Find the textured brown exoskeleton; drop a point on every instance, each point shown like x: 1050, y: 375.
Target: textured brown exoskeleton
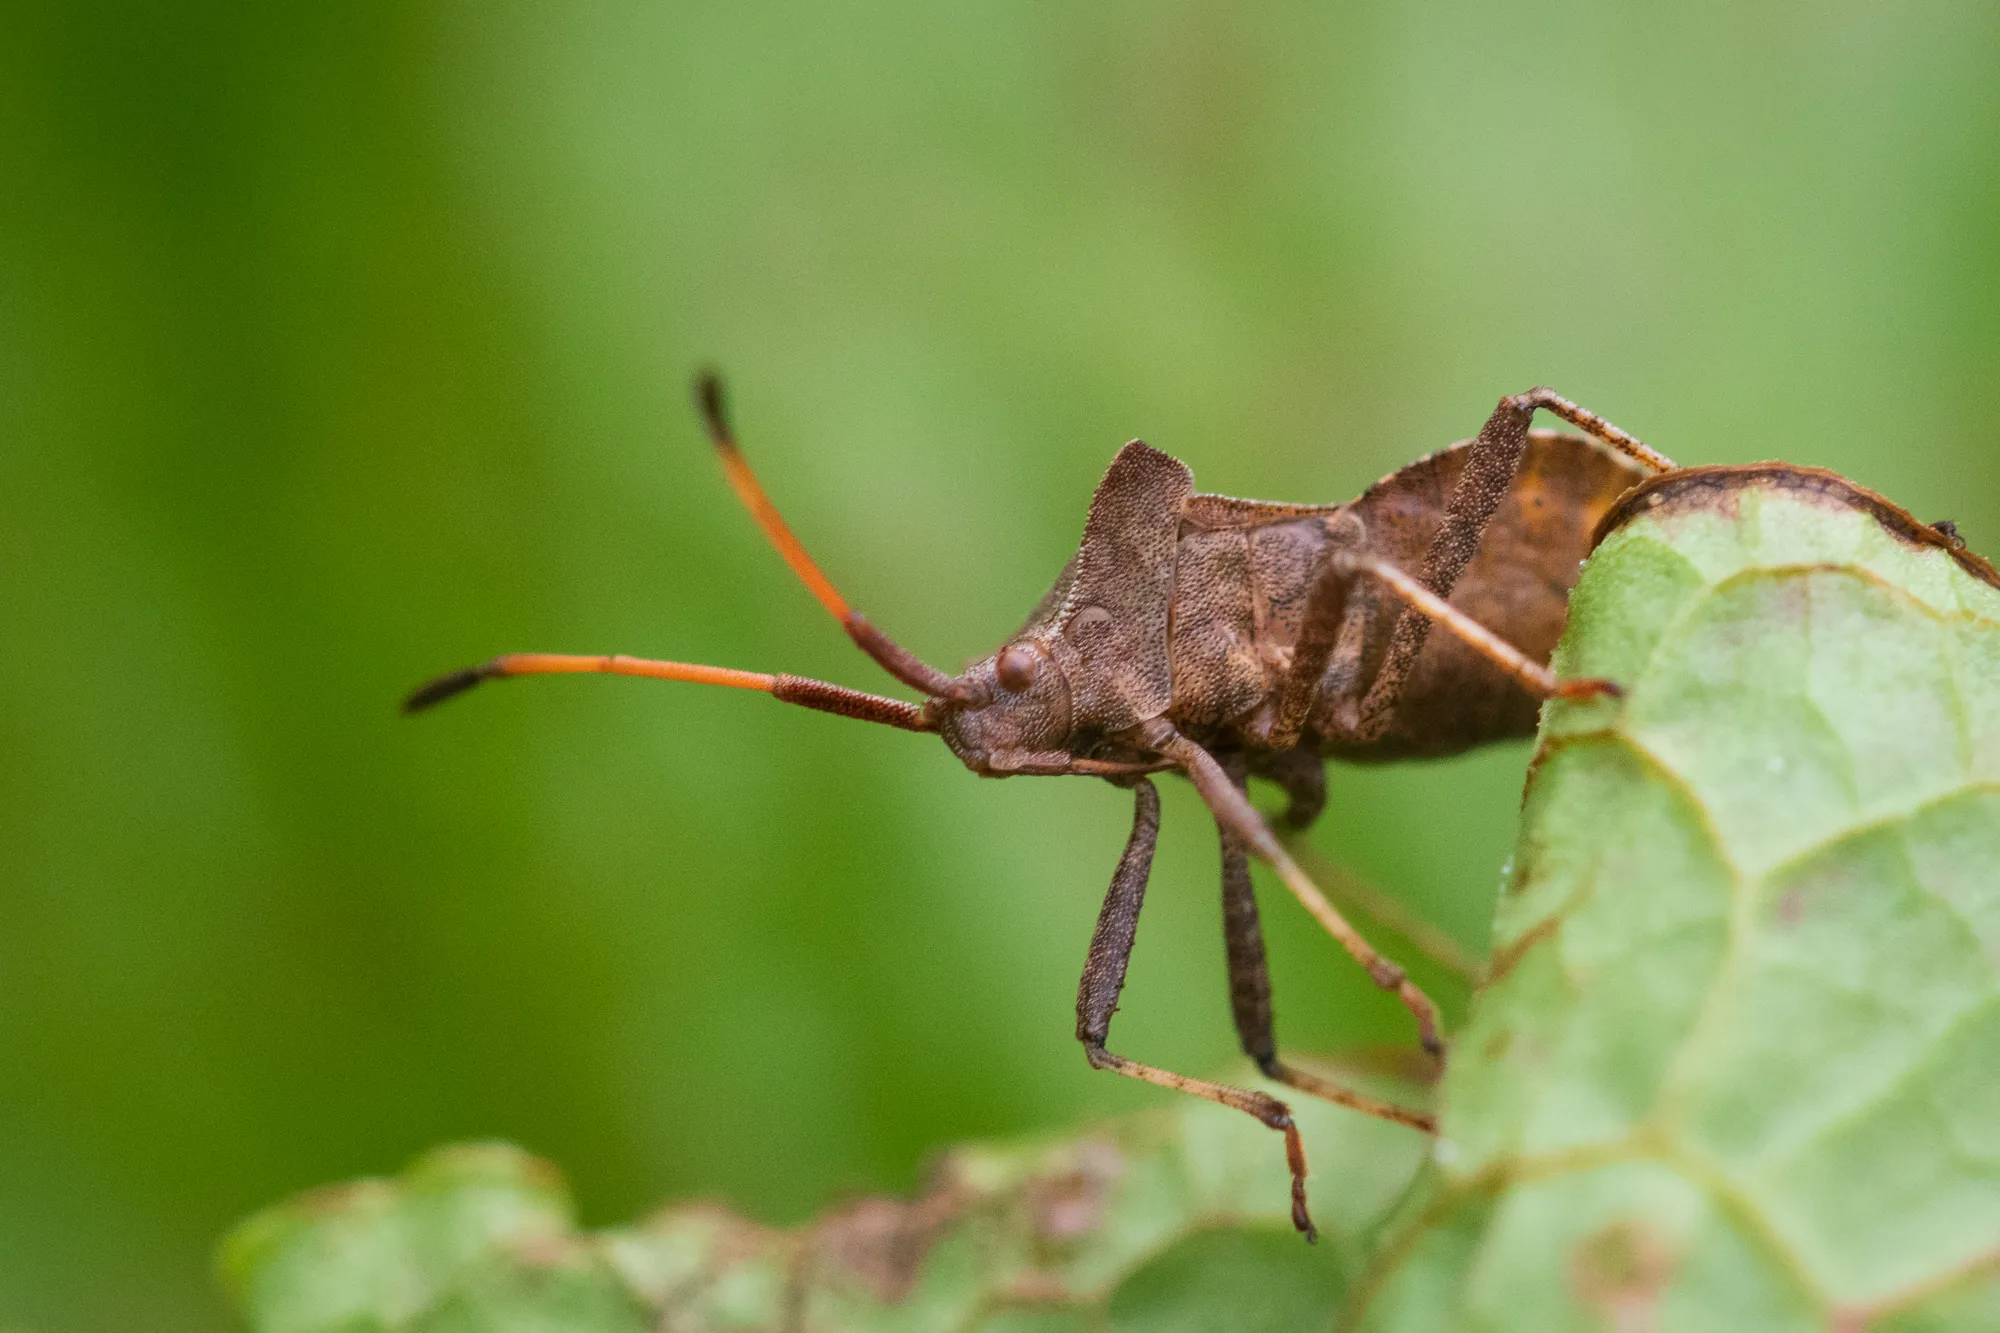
x: 1227, y: 639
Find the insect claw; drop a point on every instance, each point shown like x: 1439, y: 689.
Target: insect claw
x: 1302, y: 1221
x: 1589, y: 687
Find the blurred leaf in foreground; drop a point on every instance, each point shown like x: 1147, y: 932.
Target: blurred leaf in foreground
x: 1178, y: 1220
x: 1737, y: 1063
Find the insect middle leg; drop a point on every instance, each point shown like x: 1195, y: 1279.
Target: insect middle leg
x: 1301, y: 775
x: 1250, y: 988
x: 1104, y: 978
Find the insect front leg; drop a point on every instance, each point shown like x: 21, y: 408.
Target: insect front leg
x: 1250, y: 988
x: 1104, y: 978
x: 1489, y: 470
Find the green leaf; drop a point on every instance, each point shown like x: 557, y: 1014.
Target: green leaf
x: 1737, y: 1064
x: 1178, y: 1220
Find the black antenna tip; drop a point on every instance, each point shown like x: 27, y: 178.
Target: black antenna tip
x: 708, y: 399
x: 434, y: 692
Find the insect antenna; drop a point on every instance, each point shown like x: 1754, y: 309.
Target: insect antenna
x: 897, y: 660
x: 801, y: 690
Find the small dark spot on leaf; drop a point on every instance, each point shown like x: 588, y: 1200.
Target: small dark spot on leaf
x: 1070, y: 1203
x: 882, y: 1243
x: 1620, y: 1269
x: 546, y: 1250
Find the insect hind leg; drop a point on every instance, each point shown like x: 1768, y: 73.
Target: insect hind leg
x: 1593, y: 425
x: 1490, y: 466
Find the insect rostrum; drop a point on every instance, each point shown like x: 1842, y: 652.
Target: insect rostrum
x: 1224, y: 639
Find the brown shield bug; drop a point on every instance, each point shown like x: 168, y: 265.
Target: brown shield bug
x: 1225, y: 639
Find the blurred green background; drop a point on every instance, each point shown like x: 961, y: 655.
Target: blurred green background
x: 342, y: 344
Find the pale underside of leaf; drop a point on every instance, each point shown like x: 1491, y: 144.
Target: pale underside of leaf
x: 1738, y: 1061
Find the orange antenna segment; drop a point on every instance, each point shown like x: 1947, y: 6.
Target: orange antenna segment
x: 801, y: 690
x: 536, y: 664
x: 529, y: 664
x: 708, y: 391
x: 892, y: 656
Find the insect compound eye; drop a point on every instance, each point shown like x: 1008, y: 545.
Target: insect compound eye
x: 1016, y: 667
